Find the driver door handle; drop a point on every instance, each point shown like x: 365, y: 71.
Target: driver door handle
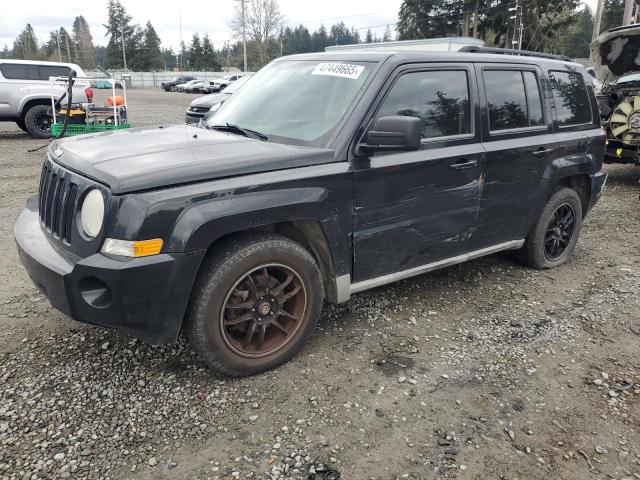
x: 464, y: 165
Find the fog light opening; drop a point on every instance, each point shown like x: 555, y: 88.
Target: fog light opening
x: 95, y: 292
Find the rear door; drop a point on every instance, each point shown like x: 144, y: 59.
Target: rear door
x: 520, y: 143
x: 415, y: 208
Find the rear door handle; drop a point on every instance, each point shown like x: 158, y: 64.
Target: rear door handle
x: 464, y: 165
x: 541, y: 152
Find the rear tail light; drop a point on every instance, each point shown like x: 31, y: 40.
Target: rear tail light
x: 89, y: 92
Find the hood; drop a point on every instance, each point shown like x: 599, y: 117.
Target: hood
x: 145, y: 158
x: 616, y: 52
x: 210, y: 100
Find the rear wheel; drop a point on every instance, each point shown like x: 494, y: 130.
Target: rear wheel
x: 38, y: 121
x: 256, y: 303
x: 555, y: 234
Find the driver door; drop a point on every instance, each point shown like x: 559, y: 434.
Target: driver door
x: 420, y: 207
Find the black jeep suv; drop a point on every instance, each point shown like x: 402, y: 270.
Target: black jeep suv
x: 343, y: 172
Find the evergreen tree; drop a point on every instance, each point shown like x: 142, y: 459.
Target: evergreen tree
x: 119, y: 30
x: 209, y: 57
x: 386, y: 36
x: 319, y: 39
x: 577, y: 39
x: 153, y: 58
x: 195, y: 53
x: 368, y: 37
x: 25, y: 46
x: 5, y: 53
x: 84, y: 43
x: 169, y: 58
x: 612, y: 14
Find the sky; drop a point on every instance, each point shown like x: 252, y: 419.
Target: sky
x: 210, y: 17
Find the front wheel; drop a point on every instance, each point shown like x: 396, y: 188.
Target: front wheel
x: 38, y: 121
x: 554, y: 236
x: 256, y: 302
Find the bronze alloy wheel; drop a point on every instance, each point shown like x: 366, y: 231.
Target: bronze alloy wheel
x: 263, y: 311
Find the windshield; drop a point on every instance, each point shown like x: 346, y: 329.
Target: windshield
x: 236, y: 85
x: 297, y: 102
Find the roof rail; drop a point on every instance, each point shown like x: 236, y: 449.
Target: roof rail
x: 508, y: 51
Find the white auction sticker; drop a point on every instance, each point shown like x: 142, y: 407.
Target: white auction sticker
x: 339, y: 70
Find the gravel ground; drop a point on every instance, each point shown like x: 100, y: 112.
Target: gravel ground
x: 482, y: 371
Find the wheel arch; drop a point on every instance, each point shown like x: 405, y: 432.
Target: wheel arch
x: 31, y: 103
x: 306, y: 218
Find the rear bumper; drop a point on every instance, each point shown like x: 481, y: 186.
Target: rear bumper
x: 598, y: 182
x: 146, y: 297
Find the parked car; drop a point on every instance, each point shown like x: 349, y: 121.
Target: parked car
x: 25, y: 93
x: 170, y: 86
x: 615, y: 53
x: 181, y: 87
x: 341, y: 173
x: 194, y: 86
x: 202, y: 107
x: 224, y: 82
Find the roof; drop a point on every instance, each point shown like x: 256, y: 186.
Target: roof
x: 379, y: 56
x: 38, y: 62
x: 447, y: 44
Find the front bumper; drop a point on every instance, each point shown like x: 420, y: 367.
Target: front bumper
x: 598, y: 182
x: 146, y: 297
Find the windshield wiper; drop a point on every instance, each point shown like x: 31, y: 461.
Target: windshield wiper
x: 230, y: 127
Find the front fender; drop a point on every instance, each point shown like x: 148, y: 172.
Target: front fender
x: 204, y: 222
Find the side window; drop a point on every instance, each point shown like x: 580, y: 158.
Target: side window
x: 572, y: 99
x: 439, y: 98
x: 18, y: 71
x: 513, y: 98
x: 46, y: 71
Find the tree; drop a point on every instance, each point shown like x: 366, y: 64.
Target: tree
x: 195, y: 52
x: 84, y: 55
x: 386, y: 36
x: 263, y: 20
x: 152, y: 55
x: 577, y: 38
x: 169, y: 58
x: 612, y: 14
x: 25, y: 46
x: 5, y: 53
x: 209, y: 57
x: 119, y: 30
x: 368, y: 37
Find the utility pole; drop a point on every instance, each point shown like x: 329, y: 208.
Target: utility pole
x: 228, y: 53
x: 597, y: 21
x: 66, y: 37
x: 518, y: 26
x: 124, y: 55
x: 244, y: 34
x: 58, y: 43
x: 628, y: 17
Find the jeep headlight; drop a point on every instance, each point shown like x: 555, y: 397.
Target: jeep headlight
x: 215, y: 107
x: 92, y: 213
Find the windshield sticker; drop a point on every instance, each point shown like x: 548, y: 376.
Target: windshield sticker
x: 343, y: 70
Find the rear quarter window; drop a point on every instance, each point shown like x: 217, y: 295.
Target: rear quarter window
x: 19, y: 71
x: 46, y: 71
x: 573, y: 105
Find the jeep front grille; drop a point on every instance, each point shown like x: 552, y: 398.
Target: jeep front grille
x: 57, y: 203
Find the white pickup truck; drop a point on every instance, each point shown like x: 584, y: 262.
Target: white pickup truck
x: 25, y: 93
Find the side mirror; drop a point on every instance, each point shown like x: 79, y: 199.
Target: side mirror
x: 395, y: 132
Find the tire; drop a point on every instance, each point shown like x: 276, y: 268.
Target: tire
x: 549, y: 232
x: 172, y: 88
x: 21, y: 125
x: 224, y: 323
x: 37, y: 122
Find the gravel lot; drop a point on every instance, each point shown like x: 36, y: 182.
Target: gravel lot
x: 482, y: 371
